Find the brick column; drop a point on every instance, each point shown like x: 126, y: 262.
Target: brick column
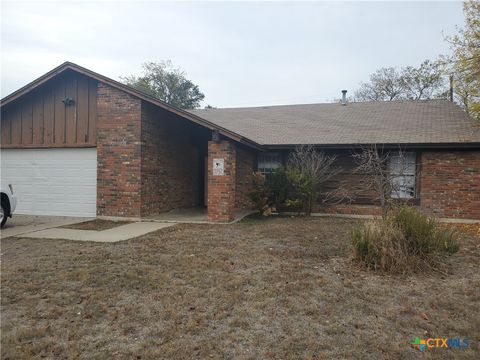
x: 118, y: 153
x: 221, y: 187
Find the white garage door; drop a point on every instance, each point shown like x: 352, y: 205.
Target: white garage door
x: 52, y: 181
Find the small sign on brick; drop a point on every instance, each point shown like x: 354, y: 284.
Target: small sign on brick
x: 218, y: 167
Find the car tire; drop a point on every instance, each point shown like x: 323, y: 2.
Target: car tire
x: 3, y: 215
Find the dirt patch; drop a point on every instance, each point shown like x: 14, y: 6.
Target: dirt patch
x: 96, y: 224
x: 284, y: 288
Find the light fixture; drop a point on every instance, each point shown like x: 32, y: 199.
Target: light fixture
x: 68, y: 101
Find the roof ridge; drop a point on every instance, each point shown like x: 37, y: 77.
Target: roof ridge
x: 324, y: 103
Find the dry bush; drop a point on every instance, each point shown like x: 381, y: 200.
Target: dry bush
x: 423, y: 234
x: 403, y: 241
x: 308, y: 170
x: 372, y: 164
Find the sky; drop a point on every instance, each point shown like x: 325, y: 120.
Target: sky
x: 239, y: 53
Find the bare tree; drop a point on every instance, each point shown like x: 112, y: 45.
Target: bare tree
x: 385, y: 85
x: 309, y: 170
x: 424, y: 82
x: 408, y: 83
x: 373, y: 164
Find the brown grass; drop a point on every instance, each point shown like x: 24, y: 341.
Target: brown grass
x: 279, y: 289
x: 96, y: 224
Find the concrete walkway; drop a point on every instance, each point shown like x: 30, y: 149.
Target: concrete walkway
x: 119, y: 233
x: 24, y: 224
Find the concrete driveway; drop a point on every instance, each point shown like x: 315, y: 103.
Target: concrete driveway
x: 22, y: 224
x: 46, y: 227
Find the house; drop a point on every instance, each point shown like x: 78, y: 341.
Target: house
x: 74, y: 142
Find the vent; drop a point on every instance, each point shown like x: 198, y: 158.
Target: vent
x: 344, y: 97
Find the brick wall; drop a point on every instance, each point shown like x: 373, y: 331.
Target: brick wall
x: 244, y: 185
x: 118, y: 153
x: 450, y: 184
x: 149, y: 160
x: 221, y: 189
x: 170, y: 162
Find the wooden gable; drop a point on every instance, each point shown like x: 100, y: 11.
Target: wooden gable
x: 62, y: 112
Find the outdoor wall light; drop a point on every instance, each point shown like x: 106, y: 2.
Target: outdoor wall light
x: 68, y: 101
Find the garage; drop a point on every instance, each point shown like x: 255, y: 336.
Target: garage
x: 56, y: 181
x: 49, y: 145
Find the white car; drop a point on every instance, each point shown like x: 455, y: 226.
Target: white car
x: 9, y: 202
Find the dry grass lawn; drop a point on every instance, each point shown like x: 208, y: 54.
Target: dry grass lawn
x: 96, y: 224
x: 284, y: 288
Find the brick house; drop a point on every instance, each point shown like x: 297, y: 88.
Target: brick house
x: 74, y: 142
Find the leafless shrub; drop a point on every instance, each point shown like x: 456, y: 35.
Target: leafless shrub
x: 309, y: 170
x: 373, y: 164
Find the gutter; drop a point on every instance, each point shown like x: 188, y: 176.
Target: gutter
x: 439, y: 146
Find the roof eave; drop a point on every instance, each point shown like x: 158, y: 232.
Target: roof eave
x: 431, y: 146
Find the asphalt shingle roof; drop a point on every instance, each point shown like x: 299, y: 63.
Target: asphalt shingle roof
x: 397, y: 122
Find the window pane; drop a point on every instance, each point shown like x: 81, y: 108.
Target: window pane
x: 403, y: 187
x: 403, y: 171
x: 269, y: 162
x: 403, y: 165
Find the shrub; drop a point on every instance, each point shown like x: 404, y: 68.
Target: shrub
x: 404, y: 240
x: 261, y: 193
x: 269, y: 191
x: 299, y: 185
x: 379, y: 246
x: 422, y: 233
x: 308, y: 170
x: 279, y: 186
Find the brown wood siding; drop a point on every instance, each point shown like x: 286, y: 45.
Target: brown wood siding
x: 59, y: 111
x: 49, y: 116
x: 16, y: 124
x: 27, y: 121
x: 6, y: 134
x: 37, y: 109
x: 71, y: 112
x: 91, y: 134
x: 41, y: 119
x: 82, y: 111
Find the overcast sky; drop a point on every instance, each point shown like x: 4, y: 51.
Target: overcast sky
x: 240, y: 54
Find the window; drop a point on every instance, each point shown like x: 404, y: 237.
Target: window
x: 269, y: 162
x: 402, y: 171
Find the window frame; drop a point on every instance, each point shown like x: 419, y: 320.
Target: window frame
x: 413, y: 173
x: 270, y: 170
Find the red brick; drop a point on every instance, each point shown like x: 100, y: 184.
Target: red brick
x: 449, y: 184
x: 221, y: 189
